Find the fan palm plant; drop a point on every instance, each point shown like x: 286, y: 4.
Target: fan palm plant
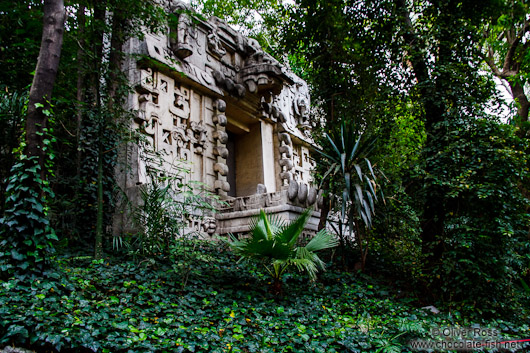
x: 275, y: 243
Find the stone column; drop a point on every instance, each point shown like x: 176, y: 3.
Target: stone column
x: 267, y: 146
x: 221, y: 185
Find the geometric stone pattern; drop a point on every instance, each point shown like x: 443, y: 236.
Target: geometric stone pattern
x: 207, y: 95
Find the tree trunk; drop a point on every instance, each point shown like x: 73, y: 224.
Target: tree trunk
x: 115, y: 57
x: 433, y: 220
x: 98, y: 23
x: 522, y: 101
x: 98, y: 33
x: 80, y: 87
x: 324, y: 210
x: 113, y: 101
x: 44, y: 79
x: 98, y: 244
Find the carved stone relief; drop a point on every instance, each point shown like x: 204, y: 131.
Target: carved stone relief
x: 214, y: 44
x: 198, y: 135
x: 184, y: 36
x: 209, y: 225
x: 164, y: 118
x: 286, y: 162
x: 261, y: 71
x: 221, y: 184
x: 182, y: 105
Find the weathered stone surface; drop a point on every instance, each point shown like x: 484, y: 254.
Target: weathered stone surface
x: 221, y: 136
x: 285, y: 138
x: 220, y: 120
x: 286, y: 162
x: 211, y: 98
x: 220, y: 151
x: 312, y: 196
x: 220, y: 104
x: 209, y: 225
x: 261, y: 189
x: 320, y: 199
x: 292, y: 192
x: 286, y: 175
x: 222, y: 185
x: 219, y: 77
x: 287, y: 150
x: 302, y: 192
x: 221, y: 168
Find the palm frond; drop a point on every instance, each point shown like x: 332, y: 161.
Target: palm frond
x: 347, y: 181
x: 370, y: 186
x: 369, y: 164
x: 328, y: 172
x: 276, y: 222
x: 273, y: 241
x: 322, y: 240
x: 370, y: 200
x: 307, y: 261
x: 261, y: 231
x: 290, y: 233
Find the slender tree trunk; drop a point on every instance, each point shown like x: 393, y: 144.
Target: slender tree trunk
x: 359, y: 239
x: 80, y: 87
x: 44, y: 79
x: 98, y: 246
x: 115, y: 57
x: 113, y: 82
x: 326, y: 202
x: 324, y: 210
x: 98, y: 24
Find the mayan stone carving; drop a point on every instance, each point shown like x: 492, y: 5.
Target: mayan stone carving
x: 212, y: 99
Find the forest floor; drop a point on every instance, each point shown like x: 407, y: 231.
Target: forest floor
x: 207, y: 301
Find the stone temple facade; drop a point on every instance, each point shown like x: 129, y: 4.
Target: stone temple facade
x: 207, y: 95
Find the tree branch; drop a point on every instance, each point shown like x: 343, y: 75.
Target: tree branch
x: 509, y: 59
x: 489, y: 58
x: 418, y: 62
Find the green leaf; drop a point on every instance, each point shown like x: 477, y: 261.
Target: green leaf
x: 16, y: 255
x: 359, y: 171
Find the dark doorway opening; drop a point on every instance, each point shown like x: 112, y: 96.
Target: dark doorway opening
x: 231, y: 163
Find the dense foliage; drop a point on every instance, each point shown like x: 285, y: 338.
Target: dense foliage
x: 113, y: 305
x: 402, y: 103
x: 378, y: 65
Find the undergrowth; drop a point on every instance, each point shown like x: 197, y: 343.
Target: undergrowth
x: 117, y: 305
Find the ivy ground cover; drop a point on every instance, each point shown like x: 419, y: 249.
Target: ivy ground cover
x: 120, y: 305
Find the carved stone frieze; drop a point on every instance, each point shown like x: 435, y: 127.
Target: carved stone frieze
x: 220, y: 137
x: 209, y: 225
x: 181, y: 105
x: 215, y: 45
x: 198, y: 135
x: 229, y: 85
x: 285, y: 161
x: 207, y: 95
x: 220, y: 151
x: 184, y: 35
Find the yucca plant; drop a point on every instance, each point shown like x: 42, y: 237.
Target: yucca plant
x: 275, y: 243
x: 346, y: 158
